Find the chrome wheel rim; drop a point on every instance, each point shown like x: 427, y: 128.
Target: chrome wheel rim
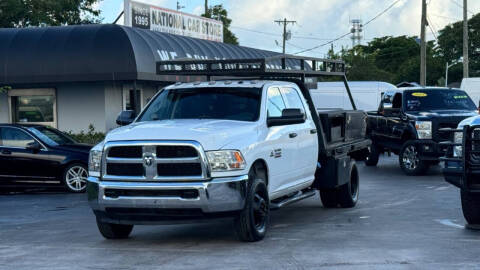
x: 76, y: 178
x: 410, y: 157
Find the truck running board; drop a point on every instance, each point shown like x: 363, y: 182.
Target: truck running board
x: 291, y: 199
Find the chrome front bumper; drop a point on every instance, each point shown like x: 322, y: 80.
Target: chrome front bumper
x: 224, y: 194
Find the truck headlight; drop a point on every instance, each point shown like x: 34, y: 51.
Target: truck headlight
x: 225, y: 160
x: 424, y: 129
x: 95, y: 162
x: 457, y: 150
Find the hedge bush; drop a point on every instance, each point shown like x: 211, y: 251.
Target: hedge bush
x: 90, y: 137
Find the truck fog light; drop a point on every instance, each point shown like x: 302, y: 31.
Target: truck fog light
x: 225, y: 160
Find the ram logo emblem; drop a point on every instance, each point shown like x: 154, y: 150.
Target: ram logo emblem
x: 148, y: 160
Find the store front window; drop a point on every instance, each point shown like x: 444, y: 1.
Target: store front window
x: 30, y: 106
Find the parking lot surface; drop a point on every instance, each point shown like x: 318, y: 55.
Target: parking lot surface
x: 401, y: 222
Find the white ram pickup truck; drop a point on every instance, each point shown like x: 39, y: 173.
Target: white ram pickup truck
x: 222, y: 149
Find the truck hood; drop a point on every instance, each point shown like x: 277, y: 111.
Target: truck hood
x: 472, y: 121
x: 211, y: 134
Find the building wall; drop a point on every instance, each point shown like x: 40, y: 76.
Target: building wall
x: 79, y: 105
x: 113, y: 104
x: 4, y: 116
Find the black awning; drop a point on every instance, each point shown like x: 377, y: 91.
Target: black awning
x: 100, y: 53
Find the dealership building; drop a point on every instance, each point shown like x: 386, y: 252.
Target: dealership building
x: 72, y: 76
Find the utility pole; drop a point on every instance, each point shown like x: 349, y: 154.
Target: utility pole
x: 465, y: 40
x: 423, y: 46
x: 179, y: 7
x: 206, y: 9
x: 285, y: 35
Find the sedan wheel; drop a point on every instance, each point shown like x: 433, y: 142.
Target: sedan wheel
x: 76, y: 178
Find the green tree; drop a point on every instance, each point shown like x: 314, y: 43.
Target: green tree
x: 450, y: 47
x: 24, y: 13
x: 219, y: 13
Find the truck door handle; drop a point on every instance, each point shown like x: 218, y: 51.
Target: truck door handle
x: 6, y: 152
x: 313, y: 131
x: 292, y: 135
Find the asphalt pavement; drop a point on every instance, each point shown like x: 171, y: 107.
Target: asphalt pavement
x: 400, y: 222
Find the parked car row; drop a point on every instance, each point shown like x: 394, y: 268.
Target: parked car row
x: 241, y: 148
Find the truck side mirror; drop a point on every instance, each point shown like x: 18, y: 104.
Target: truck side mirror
x: 126, y: 118
x: 289, y: 117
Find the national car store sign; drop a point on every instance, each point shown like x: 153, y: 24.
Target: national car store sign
x: 160, y: 19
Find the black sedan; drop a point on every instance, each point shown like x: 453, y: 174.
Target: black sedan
x: 34, y: 155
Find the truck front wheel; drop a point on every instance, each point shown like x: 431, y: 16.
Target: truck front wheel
x: 252, y: 222
x: 471, y: 207
x: 409, y: 159
x: 114, y: 231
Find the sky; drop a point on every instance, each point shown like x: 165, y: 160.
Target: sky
x: 317, y: 21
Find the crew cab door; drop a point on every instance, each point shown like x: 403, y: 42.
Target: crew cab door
x: 395, y: 124
x: 281, y: 145
x: 306, y: 153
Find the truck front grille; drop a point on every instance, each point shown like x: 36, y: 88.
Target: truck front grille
x: 445, y: 135
x: 154, y: 161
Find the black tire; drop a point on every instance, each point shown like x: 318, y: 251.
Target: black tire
x: 409, y: 160
x: 329, y: 198
x: 114, y: 231
x: 471, y: 207
x: 373, y: 156
x: 345, y: 196
x: 67, y: 180
x: 348, y: 194
x: 251, y: 224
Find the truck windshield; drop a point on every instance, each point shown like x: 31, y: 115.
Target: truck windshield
x: 227, y: 103
x: 436, y: 99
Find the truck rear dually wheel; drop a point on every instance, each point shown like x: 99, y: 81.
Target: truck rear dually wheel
x: 409, y: 159
x: 251, y: 224
x: 345, y: 196
x: 471, y: 207
x: 114, y: 231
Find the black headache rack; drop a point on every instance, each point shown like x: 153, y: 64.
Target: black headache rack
x: 463, y: 171
x: 282, y: 67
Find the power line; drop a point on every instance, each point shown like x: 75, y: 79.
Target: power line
x: 346, y: 34
x: 431, y: 26
x: 256, y: 31
x: 460, y: 6
x: 445, y: 17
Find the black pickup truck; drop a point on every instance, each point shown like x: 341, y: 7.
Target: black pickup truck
x: 409, y: 123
